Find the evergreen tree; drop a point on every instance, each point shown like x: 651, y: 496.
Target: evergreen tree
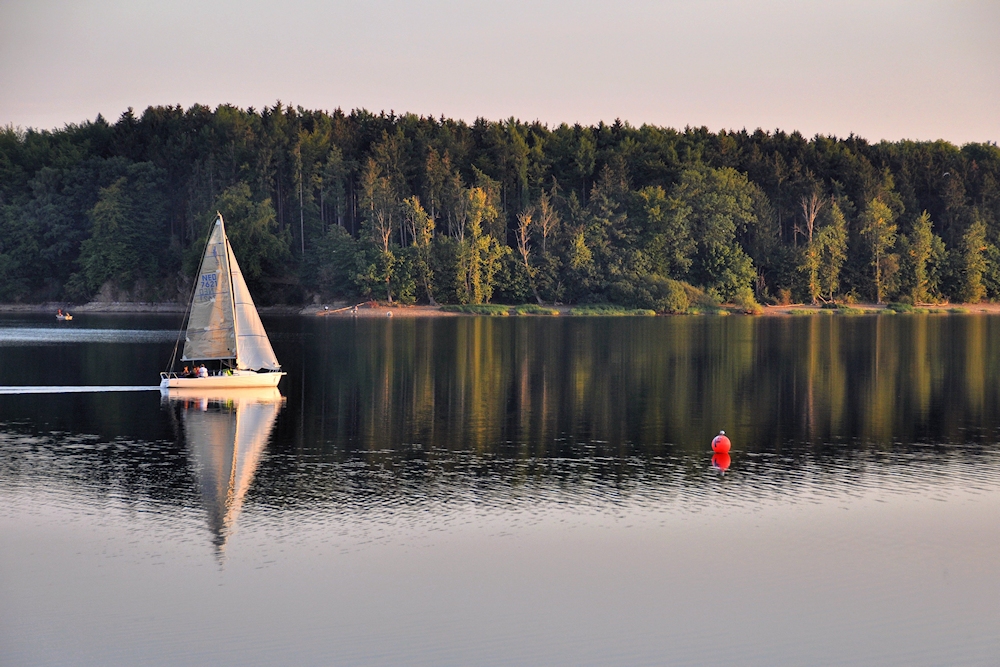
x: 616, y: 211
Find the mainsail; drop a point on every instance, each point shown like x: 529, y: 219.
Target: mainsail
x: 224, y: 323
x: 211, y: 333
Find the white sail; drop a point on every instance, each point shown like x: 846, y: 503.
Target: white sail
x: 211, y: 332
x: 253, y: 349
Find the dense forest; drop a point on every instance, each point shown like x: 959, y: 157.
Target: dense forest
x: 411, y: 209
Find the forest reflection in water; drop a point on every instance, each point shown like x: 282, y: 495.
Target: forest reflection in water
x: 512, y: 491
x: 611, y: 394
x: 508, y: 386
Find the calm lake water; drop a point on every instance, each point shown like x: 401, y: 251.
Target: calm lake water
x: 477, y: 491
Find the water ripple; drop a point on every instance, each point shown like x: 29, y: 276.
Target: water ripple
x: 86, y: 469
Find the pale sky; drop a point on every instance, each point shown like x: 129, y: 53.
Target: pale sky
x: 880, y: 69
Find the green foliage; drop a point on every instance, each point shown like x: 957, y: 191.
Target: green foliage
x: 478, y: 309
x: 973, y: 263
x: 107, y: 254
x: 669, y: 245
x: 991, y: 274
x: 708, y: 310
x: 879, y: 228
x: 410, y: 208
x: 810, y: 266
x: 373, y: 271
x: 379, y: 201
x: 651, y: 292
x: 421, y: 228
x: 512, y: 284
x: 824, y: 255
x: 746, y: 302
x: 404, y: 280
x: 126, y: 235
x: 700, y: 298
x: 719, y: 202
x: 534, y: 309
x: 609, y: 310
x: 922, y: 250
x: 333, y: 263
x: 479, y: 255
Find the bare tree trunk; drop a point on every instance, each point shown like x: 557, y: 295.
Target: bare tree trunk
x: 547, y: 219
x: 811, y: 206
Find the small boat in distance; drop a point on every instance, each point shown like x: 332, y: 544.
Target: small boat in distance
x: 223, y: 328
x: 63, y: 317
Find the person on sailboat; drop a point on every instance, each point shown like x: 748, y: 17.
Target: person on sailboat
x: 202, y: 371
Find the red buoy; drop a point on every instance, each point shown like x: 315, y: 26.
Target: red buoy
x: 721, y: 444
x: 721, y: 462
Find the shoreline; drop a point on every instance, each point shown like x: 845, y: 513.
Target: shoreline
x: 371, y: 309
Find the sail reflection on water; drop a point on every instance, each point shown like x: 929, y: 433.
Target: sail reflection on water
x: 226, y: 434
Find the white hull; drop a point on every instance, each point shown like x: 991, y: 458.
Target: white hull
x: 237, y: 380
x: 228, y: 395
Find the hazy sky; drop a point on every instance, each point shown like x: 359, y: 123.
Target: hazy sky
x: 883, y: 70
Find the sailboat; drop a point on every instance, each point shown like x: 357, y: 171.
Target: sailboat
x: 226, y: 432
x: 223, y: 327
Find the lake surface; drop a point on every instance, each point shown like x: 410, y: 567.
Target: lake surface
x: 493, y: 491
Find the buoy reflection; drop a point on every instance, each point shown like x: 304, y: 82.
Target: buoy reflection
x: 721, y: 462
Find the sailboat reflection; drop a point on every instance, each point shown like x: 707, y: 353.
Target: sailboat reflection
x: 226, y: 433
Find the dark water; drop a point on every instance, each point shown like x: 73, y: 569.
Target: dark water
x: 508, y: 491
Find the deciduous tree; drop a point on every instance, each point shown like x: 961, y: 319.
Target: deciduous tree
x: 879, y: 228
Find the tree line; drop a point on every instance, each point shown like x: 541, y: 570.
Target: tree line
x: 408, y: 209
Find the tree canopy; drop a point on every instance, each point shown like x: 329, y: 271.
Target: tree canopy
x: 410, y: 208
